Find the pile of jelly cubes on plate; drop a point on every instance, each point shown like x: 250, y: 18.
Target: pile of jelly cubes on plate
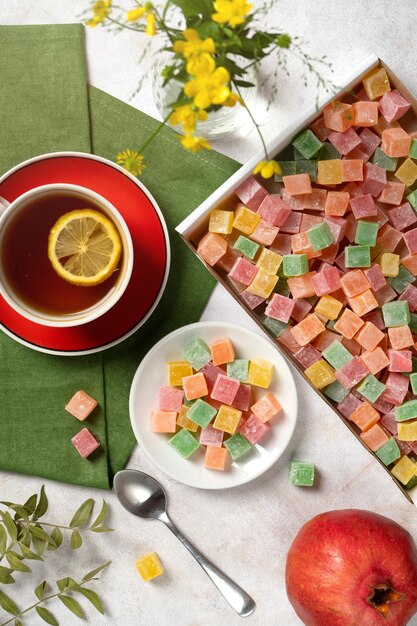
x: 326, y: 257
x: 210, y: 402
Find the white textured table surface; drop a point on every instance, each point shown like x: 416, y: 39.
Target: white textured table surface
x: 248, y: 530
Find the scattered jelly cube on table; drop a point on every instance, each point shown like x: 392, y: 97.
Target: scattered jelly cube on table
x: 81, y: 405
x: 215, y: 458
x: 149, y: 566
x: 237, y: 446
x: 301, y: 474
x: 197, y: 353
x: 184, y: 443
x: 201, y: 413
x: 85, y: 443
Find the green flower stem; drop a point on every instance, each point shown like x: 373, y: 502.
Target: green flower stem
x: 258, y: 129
x: 14, y: 543
x: 136, y: 30
x: 154, y: 134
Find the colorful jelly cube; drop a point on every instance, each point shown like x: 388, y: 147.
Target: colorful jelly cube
x: 371, y: 388
x: 406, y: 411
x: 364, y: 206
x: 400, y: 360
x: 330, y: 172
x: 369, y: 336
x: 197, y: 353
x: 396, y: 313
x: 254, y: 429
x: 170, y: 399
x: 329, y: 307
x: 184, y: 443
x: 211, y: 248
x: 243, y: 271
x: 392, y: 193
x: 396, y: 388
x: 301, y: 474
x: 349, y: 405
x: 225, y: 389
x: 320, y: 236
x: 243, y: 398
x: 389, y: 452
x: 407, y: 172
x: 85, y: 443
x: 336, y: 392
x: 337, y: 203
x: 227, y: 419
x: 404, y: 470
x: 352, y: 170
x: 400, y: 337
x: 348, y: 324
x: 177, y: 370
x: 307, y: 355
x: 222, y: 351
x: 326, y: 281
x: 297, y: 184
x: 149, y: 566
x: 320, y: 374
x: 221, y: 222
x: 295, y: 264
x: 215, y: 458
x: 338, y: 116
x: 393, y: 105
x: 389, y: 263
x: 375, y: 277
x: 269, y: 261
x: 237, y: 446
x: 210, y: 436
x: 337, y: 355
x: 307, y: 144
x: 275, y: 327
x: 365, y: 416
x: 366, y: 232
x: 274, y: 210
x: 81, y: 405
x: 266, y: 407
x: 260, y: 373
x: 352, y: 373
x: 195, y: 386
x: 374, y: 179
x: 358, y: 256
x: 407, y: 431
x: 238, y: 370
x: 302, y: 286
x: 245, y: 220
x: 376, y: 83
x: 247, y: 247
x: 280, y: 307
x: 264, y: 233
x: 163, y: 421
x: 374, y: 438
x: 383, y: 160
x: 184, y: 422
x: 365, y: 113
x: 201, y: 413
x: 263, y: 284
x: 307, y: 330
x: 413, y: 382
x: 413, y: 148
x: 251, y: 193
x: 396, y: 142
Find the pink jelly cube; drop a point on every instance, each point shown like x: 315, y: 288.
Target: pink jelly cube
x: 392, y: 193
x: 395, y: 142
x: 243, y: 271
x: 282, y: 244
x: 396, y: 388
x: 297, y: 184
x: 400, y: 337
x: 288, y: 341
x: 400, y: 360
x: 337, y: 202
x: 383, y: 407
x: 300, y: 310
x: 308, y: 220
x: 81, y: 405
x: 295, y: 202
x: 210, y: 436
x: 316, y: 200
x: 307, y: 355
x: 385, y: 294
x: 338, y: 116
x: 251, y: 193
x: 254, y: 430
x: 393, y: 106
x: 274, y: 210
x: 349, y: 405
x: 225, y: 389
x: 330, y: 253
x: 376, y: 318
x: 243, y: 397
x: 410, y: 262
x: 375, y: 277
x: 264, y: 233
x: 337, y: 227
x: 210, y: 373
x: 320, y: 129
x: 292, y: 224
x: 369, y: 141
x: 280, y: 307
x: 410, y: 239
x: 403, y: 216
x: 326, y: 281
x: 365, y: 113
x: 170, y: 399
x: 363, y: 206
x: 352, y: 169
x: 389, y: 422
x: 388, y: 238
x: 211, y: 248
x: 163, y: 421
x: 266, y: 407
x: 251, y: 300
x: 352, y: 373
x: 228, y: 260
x: 374, y: 179
x: 410, y: 294
x: 85, y: 443
x: 345, y: 142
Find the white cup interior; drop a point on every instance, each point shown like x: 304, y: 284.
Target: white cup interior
x: 115, y: 292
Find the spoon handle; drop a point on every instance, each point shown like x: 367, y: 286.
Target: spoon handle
x: 238, y: 599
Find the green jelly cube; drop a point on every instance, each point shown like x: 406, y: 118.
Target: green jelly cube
x: 295, y: 264
x: 337, y: 355
x: 407, y: 411
x: 197, y: 353
x: 413, y: 323
x: 413, y: 149
x: 201, y: 413
x: 237, y: 446
x: 307, y: 167
x: 366, y: 232
x: 412, y: 482
x: 328, y: 152
x: 400, y: 282
x: 413, y: 381
x: 320, y: 236
x: 275, y: 327
x: 336, y: 392
x: 307, y: 143
x: 396, y: 313
x: 247, y: 247
x: 301, y: 474
x: 297, y: 155
x: 184, y: 443
x: 238, y: 369
x: 371, y: 388
x: 389, y: 452
x: 288, y: 168
x: 383, y: 160
x: 358, y: 256
x: 412, y: 199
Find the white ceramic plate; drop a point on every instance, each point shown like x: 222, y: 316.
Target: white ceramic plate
x: 151, y: 374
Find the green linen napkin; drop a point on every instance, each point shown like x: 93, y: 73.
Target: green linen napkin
x: 45, y: 106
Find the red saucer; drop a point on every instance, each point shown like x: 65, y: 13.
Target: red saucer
x: 150, y: 242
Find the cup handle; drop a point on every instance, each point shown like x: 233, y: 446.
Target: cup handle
x: 3, y: 205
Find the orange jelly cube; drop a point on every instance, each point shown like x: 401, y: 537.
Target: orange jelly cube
x: 222, y: 351
x: 374, y: 438
x: 297, y: 184
x: 365, y: 416
x: 400, y: 337
x: 215, y: 458
x: 348, y: 324
x: 306, y: 330
x: 375, y: 360
x: 195, y: 386
x: 410, y: 262
x: 300, y: 244
x: 338, y: 116
x: 354, y: 283
x: 163, y: 421
x: 330, y: 172
x: 369, y: 336
x: 364, y: 303
x: 337, y: 203
x: 352, y: 170
x: 396, y: 142
x: 365, y: 113
x: 212, y: 248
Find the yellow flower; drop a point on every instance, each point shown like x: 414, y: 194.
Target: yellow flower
x: 192, y: 45
x: 136, y: 14
x: 201, y: 64
x: 209, y: 88
x: 101, y: 9
x: 232, y: 99
x: 150, y: 25
x: 194, y: 144
x: 232, y: 12
x: 267, y: 169
x: 132, y: 161
x: 187, y: 117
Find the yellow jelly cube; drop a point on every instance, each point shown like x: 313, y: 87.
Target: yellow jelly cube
x: 246, y: 220
x: 221, y: 222
x: 227, y: 419
x: 407, y: 172
x: 404, y: 470
x: 269, y: 261
x: 329, y: 307
x: 260, y: 373
x: 329, y: 172
x: 149, y: 566
x: 184, y: 422
x: 389, y: 263
x: 407, y: 431
x: 263, y: 284
x: 320, y: 374
x: 176, y: 372
x: 376, y: 83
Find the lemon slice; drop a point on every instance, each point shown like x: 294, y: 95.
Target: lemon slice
x: 84, y: 247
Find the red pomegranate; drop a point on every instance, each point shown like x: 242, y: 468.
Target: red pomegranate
x: 352, y: 568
